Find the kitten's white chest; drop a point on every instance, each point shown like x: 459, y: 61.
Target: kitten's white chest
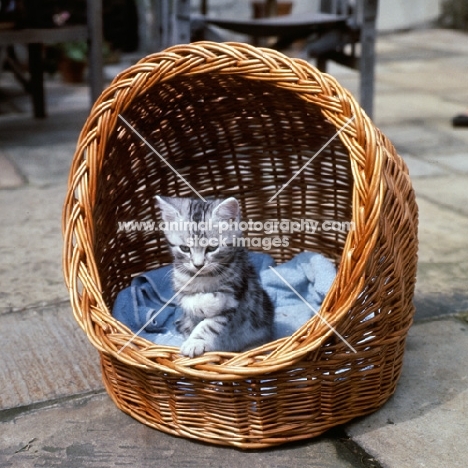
x: 206, y: 305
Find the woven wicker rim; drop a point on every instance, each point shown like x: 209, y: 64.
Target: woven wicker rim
x: 366, y: 151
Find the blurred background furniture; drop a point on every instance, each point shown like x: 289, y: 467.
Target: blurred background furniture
x: 34, y: 35
x: 342, y: 31
x: 169, y: 24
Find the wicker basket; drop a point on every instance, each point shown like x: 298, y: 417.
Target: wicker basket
x: 237, y: 120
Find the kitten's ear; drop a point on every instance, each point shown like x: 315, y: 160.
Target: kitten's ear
x: 169, y: 212
x: 227, y: 209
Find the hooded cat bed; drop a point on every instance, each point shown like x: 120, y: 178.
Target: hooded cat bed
x: 291, y: 144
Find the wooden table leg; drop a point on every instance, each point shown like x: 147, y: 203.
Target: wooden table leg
x: 96, y: 76
x: 36, y: 83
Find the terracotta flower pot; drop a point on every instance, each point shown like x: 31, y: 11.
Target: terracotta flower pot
x: 72, y: 71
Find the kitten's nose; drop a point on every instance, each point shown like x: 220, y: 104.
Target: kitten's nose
x: 198, y: 259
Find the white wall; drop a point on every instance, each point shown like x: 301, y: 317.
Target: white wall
x: 404, y: 14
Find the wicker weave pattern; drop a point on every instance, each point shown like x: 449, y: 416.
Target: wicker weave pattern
x: 234, y: 119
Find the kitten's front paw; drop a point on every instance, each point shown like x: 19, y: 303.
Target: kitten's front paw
x: 193, y: 347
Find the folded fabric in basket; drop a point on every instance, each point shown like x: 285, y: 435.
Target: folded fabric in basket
x: 149, y: 305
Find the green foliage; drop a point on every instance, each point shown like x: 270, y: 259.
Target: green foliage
x: 76, y: 50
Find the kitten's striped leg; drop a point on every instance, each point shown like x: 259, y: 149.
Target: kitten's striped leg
x: 207, y: 336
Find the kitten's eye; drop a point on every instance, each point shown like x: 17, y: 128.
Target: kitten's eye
x: 184, y: 248
x: 212, y: 248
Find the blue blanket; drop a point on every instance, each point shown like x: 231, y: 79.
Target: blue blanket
x: 148, y: 306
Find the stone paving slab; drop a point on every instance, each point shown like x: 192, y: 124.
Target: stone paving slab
x: 419, y: 167
x: 442, y: 232
x: 9, y: 175
x: 61, y: 98
x: 396, y: 106
x: 459, y: 97
x: 419, y: 138
x: 31, y: 246
x: 63, y: 125
x: 425, y: 423
x: 92, y: 432
x: 43, y: 165
x: 45, y: 356
x: 457, y: 162
x: 431, y: 38
x: 42, y: 150
x: 436, y: 76
x: 442, y: 259
x: 447, y: 191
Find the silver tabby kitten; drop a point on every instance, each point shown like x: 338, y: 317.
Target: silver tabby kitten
x: 224, y: 306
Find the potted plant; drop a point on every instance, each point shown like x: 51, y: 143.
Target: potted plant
x: 73, y: 61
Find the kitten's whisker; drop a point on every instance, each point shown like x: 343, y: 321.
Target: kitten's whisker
x: 169, y: 273
x: 160, y: 310
x: 313, y: 310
